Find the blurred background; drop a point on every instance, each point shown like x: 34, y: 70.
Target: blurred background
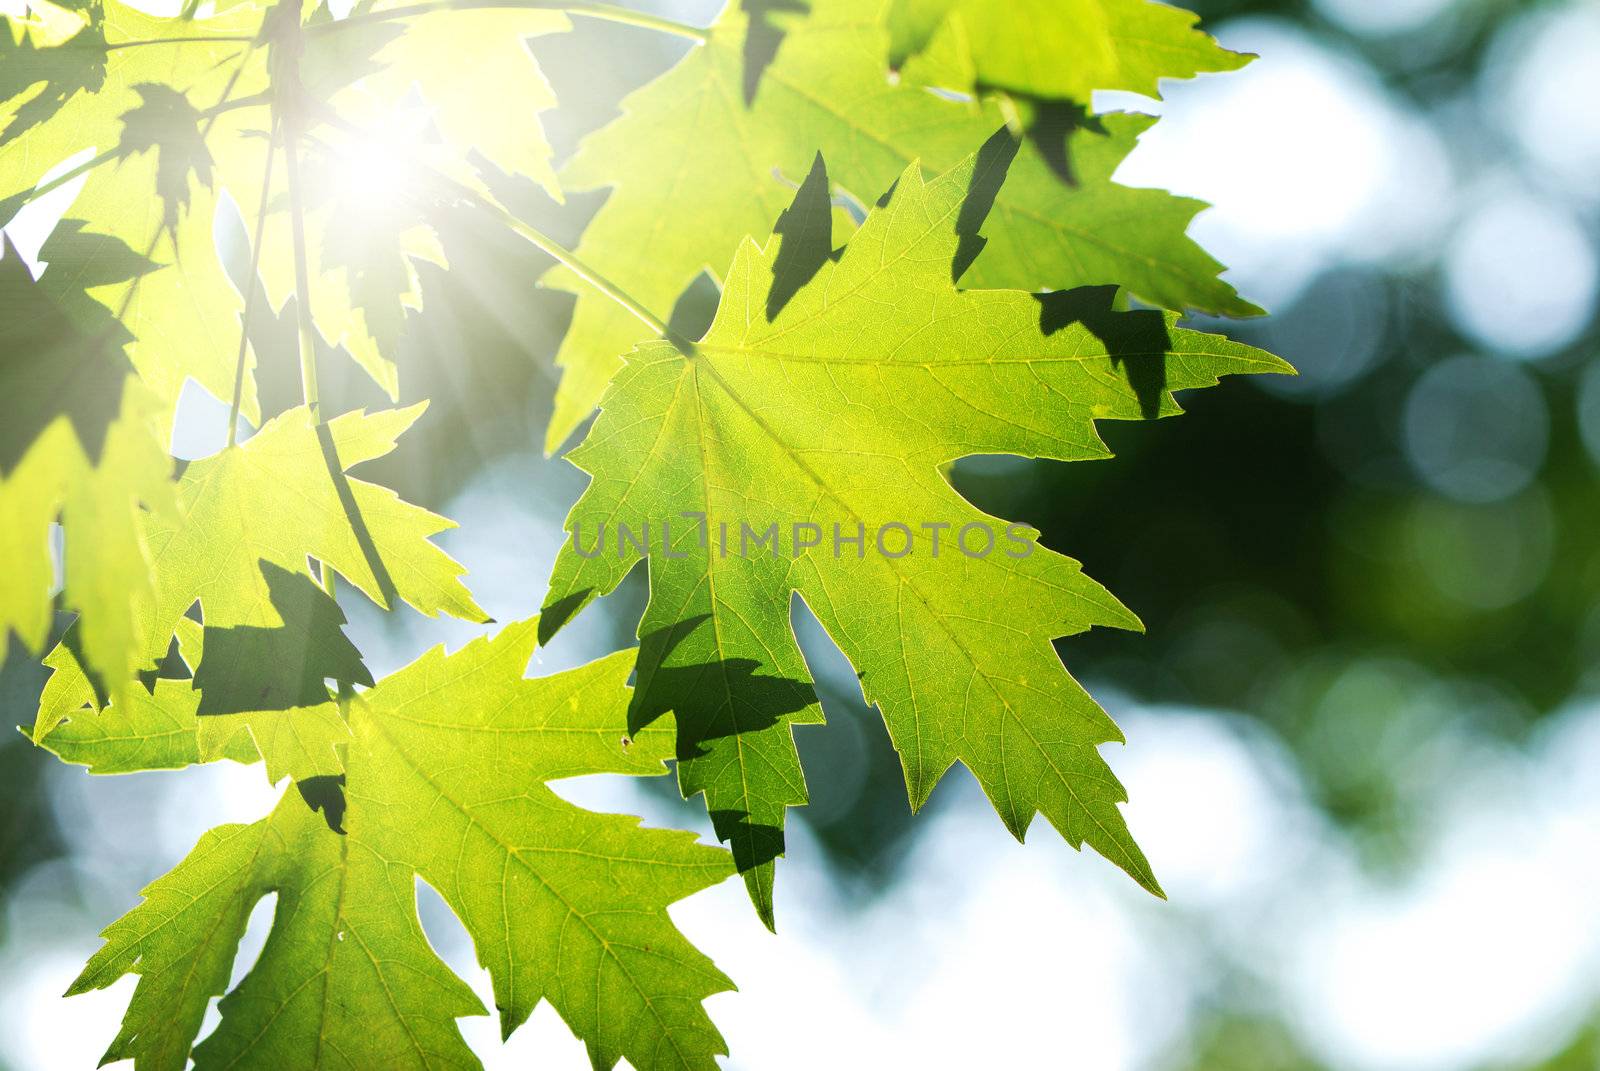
x: 1364, y: 724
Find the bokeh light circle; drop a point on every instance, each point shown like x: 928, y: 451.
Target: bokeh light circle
x: 1520, y: 276
x: 1383, y: 17
x: 1589, y: 410
x: 1476, y: 429
x: 1333, y: 335
x: 1541, y: 84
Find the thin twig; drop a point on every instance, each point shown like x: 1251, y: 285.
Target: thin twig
x: 254, y: 100
x: 250, y: 293
x: 199, y: 39
x: 570, y: 260
x: 67, y: 176
x: 116, y: 152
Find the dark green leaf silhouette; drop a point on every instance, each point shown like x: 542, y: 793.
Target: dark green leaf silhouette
x: 168, y: 125
x: 58, y: 70
x: 60, y: 352
x: 764, y: 37
x: 250, y: 668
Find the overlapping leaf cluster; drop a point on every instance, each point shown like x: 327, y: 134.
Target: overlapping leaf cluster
x: 950, y: 272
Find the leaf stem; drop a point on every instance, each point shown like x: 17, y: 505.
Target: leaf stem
x: 67, y: 176
x: 199, y: 39
x: 250, y: 293
x: 254, y: 100
x: 594, y: 10
x: 302, y: 286
x: 302, y: 279
x: 570, y: 260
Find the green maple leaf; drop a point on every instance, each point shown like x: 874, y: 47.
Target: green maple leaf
x: 60, y: 353
x: 37, y: 74
x: 1042, y: 60
x: 80, y: 442
x: 674, y: 213
x: 284, y: 494
x: 831, y: 390
x: 158, y: 728
x: 247, y: 518
x: 459, y: 61
x: 157, y: 118
x: 1050, y: 50
x: 445, y: 780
